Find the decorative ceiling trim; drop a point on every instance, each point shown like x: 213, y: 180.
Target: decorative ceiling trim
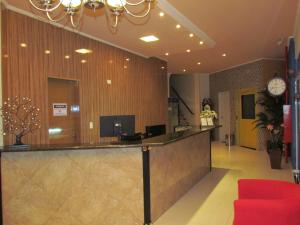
x: 246, y: 63
x: 185, y: 22
x: 29, y: 14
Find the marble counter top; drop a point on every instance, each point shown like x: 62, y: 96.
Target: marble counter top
x: 154, y: 141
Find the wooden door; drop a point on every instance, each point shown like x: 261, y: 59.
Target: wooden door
x: 64, y: 111
x: 224, y: 114
x: 247, y: 131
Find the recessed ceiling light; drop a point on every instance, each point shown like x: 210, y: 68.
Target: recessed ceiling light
x: 184, y: 70
x: 47, y: 52
x: 161, y: 14
x: 67, y: 57
x: 191, y: 35
x: 83, y: 61
x: 167, y: 53
x: 23, y: 45
x: 201, y: 42
x: 149, y: 38
x: 188, y: 50
x: 162, y: 67
x: 83, y: 51
x: 199, y: 63
x: 125, y: 67
x: 224, y: 54
x: 127, y: 59
x: 108, y: 82
x: 178, y: 26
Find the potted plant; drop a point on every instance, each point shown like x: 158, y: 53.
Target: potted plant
x: 20, y: 118
x: 271, y: 119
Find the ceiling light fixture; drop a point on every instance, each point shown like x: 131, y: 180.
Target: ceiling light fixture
x: 75, y: 9
x: 23, y: 45
x: 47, y: 52
x: 67, y: 57
x: 199, y: 63
x: 150, y: 38
x: 161, y: 14
x: 178, y: 26
x: 184, y: 70
x: 188, y: 50
x: 127, y: 59
x: 201, y: 42
x: 167, y: 53
x: 224, y: 55
x: 83, y: 61
x: 191, y: 35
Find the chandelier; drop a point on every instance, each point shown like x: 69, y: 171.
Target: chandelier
x: 74, y: 9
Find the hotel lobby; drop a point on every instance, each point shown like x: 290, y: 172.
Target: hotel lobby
x: 140, y: 112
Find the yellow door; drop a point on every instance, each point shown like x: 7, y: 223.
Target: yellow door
x: 247, y: 131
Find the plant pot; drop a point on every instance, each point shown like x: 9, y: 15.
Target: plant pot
x: 275, y: 158
x: 19, y: 140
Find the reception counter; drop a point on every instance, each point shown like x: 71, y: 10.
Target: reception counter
x: 116, y: 183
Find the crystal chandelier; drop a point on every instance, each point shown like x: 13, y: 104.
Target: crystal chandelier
x: 74, y: 8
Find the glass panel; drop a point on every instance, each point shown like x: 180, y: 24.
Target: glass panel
x: 248, y: 106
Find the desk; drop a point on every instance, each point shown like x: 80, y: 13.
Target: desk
x: 102, y: 184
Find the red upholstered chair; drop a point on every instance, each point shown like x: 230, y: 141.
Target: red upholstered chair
x: 267, y: 202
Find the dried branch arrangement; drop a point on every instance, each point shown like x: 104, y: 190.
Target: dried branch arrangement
x: 20, y: 117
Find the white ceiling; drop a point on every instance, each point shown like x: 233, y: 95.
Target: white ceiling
x: 245, y: 30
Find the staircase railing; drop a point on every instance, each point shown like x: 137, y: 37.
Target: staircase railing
x: 182, y: 100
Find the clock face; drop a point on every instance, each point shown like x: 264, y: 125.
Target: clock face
x: 276, y: 86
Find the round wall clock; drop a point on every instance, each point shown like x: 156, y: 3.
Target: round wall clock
x: 276, y: 86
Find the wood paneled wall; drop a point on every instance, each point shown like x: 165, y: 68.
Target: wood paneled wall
x: 138, y: 87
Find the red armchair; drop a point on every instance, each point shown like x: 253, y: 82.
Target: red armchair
x: 267, y: 202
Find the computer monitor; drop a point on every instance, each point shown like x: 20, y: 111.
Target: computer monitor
x: 113, y: 126
x: 155, y: 130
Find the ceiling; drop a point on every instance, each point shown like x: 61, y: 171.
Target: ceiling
x: 245, y: 30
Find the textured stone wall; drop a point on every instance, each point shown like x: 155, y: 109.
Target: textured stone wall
x: 252, y: 75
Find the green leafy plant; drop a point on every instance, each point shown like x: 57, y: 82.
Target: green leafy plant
x: 271, y: 118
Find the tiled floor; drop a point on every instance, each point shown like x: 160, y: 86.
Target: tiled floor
x: 210, y: 202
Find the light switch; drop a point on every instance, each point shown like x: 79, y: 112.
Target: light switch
x: 91, y: 125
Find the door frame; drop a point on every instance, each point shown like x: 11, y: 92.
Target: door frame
x: 79, y: 101
x: 228, y: 115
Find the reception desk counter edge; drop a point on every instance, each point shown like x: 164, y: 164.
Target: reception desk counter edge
x: 107, y: 183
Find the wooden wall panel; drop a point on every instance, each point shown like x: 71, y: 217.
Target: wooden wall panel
x: 138, y: 87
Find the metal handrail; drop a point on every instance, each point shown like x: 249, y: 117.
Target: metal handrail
x: 181, y: 100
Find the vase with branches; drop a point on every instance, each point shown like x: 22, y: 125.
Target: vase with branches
x: 19, y: 117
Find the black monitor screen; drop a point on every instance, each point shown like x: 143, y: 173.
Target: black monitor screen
x: 155, y: 130
x: 112, y: 126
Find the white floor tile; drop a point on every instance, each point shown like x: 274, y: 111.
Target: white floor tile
x: 210, y: 202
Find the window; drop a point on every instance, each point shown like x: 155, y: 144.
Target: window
x: 248, y: 106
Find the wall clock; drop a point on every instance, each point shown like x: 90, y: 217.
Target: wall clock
x: 276, y: 86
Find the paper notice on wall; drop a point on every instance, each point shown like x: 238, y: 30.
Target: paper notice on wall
x: 60, y: 109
